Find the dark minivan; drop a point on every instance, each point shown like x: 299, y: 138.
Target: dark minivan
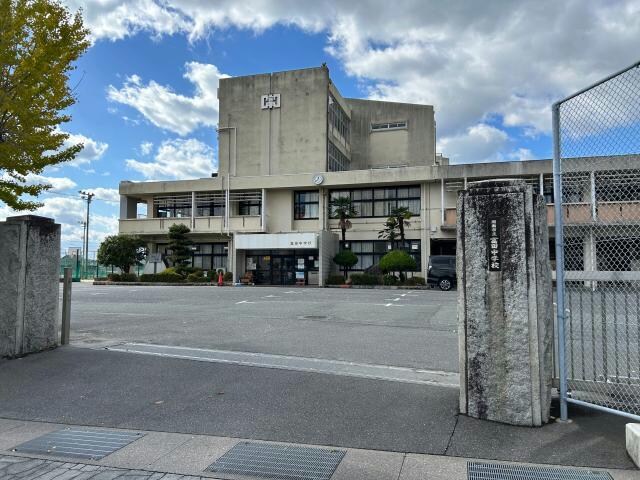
x: 442, y: 271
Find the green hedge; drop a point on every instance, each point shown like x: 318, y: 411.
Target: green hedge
x: 162, y: 277
x: 414, y: 281
x: 197, y: 277
x: 365, y: 279
x: 335, y: 280
x: 390, y: 280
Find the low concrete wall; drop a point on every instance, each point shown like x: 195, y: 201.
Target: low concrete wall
x: 29, y: 282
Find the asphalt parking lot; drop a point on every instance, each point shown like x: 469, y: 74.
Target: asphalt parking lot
x: 404, y: 328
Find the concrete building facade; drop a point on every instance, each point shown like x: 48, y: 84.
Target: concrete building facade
x: 289, y: 143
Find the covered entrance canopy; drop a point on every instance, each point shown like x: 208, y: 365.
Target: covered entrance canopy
x: 280, y: 259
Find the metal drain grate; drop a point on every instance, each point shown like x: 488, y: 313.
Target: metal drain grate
x: 496, y: 471
x: 278, y: 462
x: 79, y: 443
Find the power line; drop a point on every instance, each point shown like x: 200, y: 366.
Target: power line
x: 58, y: 194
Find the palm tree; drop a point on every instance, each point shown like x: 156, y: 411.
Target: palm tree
x: 342, y: 209
x: 401, y: 216
x: 389, y: 232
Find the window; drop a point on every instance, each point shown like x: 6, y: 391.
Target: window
x: 388, y: 126
x: 210, y: 256
x: 339, y: 119
x: 337, y: 161
x: 178, y: 206
x: 207, y: 256
x: 209, y: 210
x: 617, y: 185
x: 249, y: 207
x: 380, y: 202
x: 369, y: 252
x: 305, y: 205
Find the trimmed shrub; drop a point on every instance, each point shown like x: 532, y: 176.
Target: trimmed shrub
x: 228, y: 277
x: 335, y: 280
x: 128, y: 277
x: 197, y: 277
x: 413, y: 281
x: 365, y: 279
x: 162, y: 277
x: 389, y: 280
x: 114, y: 277
x: 397, y: 261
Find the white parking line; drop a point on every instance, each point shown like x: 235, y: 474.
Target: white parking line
x: 272, y: 296
x: 243, y: 301
x: 127, y: 314
x: 303, y: 364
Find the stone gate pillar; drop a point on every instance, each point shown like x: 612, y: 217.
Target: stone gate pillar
x: 504, y: 303
x: 29, y: 284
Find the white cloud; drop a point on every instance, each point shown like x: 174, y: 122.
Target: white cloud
x: 173, y: 111
x: 479, y: 143
x: 110, y: 195
x: 93, y: 150
x: 177, y: 159
x: 145, y: 148
x: 57, y: 183
x: 480, y: 60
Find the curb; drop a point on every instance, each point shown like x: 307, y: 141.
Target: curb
x: 156, y: 284
x: 383, y: 287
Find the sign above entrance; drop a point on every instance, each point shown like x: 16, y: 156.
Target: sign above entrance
x: 269, y: 241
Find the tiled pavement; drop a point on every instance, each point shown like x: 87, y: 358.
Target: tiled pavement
x: 23, y: 468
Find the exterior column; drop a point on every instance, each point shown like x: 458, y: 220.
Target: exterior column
x: 193, y: 210
x: 263, y: 211
x: 441, y: 201
x: 424, y: 231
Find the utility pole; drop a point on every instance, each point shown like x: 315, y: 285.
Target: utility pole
x: 88, y: 197
x: 84, y: 236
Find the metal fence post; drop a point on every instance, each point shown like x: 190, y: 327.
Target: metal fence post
x: 66, y: 306
x: 557, y: 198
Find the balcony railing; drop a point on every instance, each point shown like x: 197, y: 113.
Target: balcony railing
x: 200, y: 225
x: 607, y: 213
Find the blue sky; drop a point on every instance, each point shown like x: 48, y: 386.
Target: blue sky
x: 147, y: 110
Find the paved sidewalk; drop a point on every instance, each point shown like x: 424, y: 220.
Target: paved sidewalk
x: 173, y: 456
x: 182, y: 397
x: 38, y: 469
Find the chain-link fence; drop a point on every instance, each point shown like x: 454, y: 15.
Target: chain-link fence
x: 90, y: 269
x: 597, y: 163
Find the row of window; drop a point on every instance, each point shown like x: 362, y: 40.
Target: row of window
x: 388, y: 126
x: 207, y: 256
x: 251, y: 207
x: 369, y: 252
x: 380, y: 202
x: 336, y: 160
x: 367, y: 202
x: 339, y: 119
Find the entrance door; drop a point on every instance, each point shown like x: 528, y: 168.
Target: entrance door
x: 282, y: 270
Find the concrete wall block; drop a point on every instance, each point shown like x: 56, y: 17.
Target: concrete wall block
x: 29, y: 273
x: 632, y: 432
x: 504, y: 315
